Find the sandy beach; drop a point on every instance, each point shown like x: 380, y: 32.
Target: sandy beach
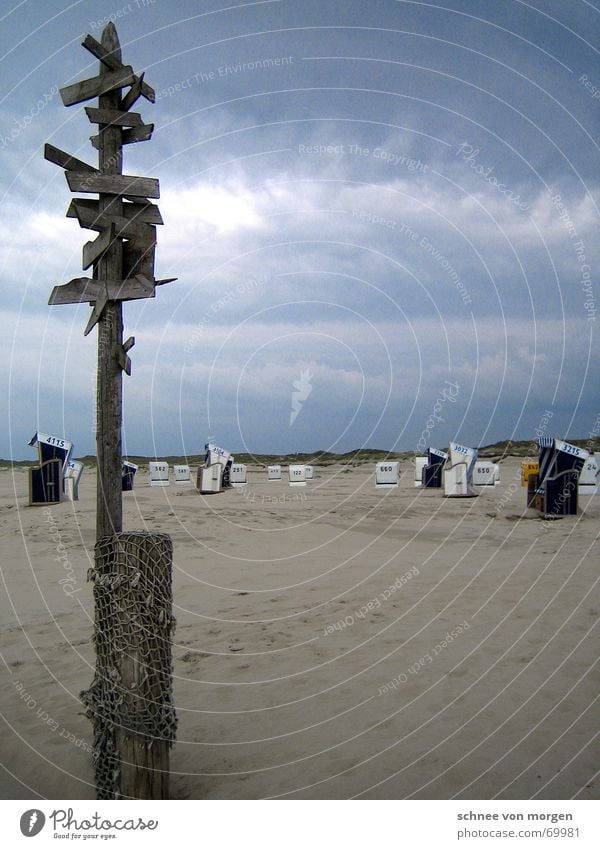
x: 332, y: 642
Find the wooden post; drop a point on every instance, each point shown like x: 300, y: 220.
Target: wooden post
x: 129, y: 700
x: 109, y: 506
x: 145, y: 665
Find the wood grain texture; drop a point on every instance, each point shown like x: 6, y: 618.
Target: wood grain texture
x: 138, y: 134
x: 92, y: 251
x: 109, y: 508
x: 114, y: 184
x: 113, y: 63
x: 66, y: 161
x: 144, y: 760
x: 113, y: 116
x: 89, y: 210
x: 97, y: 86
x: 134, y: 93
x: 138, y: 254
x: 81, y: 290
x: 91, y: 218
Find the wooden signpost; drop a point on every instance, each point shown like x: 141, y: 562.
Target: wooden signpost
x: 122, y: 255
x: 122, y: 259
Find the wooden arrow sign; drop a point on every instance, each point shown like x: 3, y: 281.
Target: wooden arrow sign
x: 95, y: 86
x: 87, y: 289
x: 111, y: 59
x: 129, y: 224
x: 134, y: 93
x: 99, y: 306
x: 140, y: 213
x: 92, y: 219
x: 138, y: 254
x: 71, y: 163
x: 123, y: 359
x: 138, y: 134
x: 147, y: 213
x: 113, y: 184
x: 113, y: 63
x: 113, y: 117
x: 65, y: 160
x: 103, y: 297
x: 92, y: 251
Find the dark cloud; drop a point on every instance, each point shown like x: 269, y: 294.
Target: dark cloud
x: 390, y: 195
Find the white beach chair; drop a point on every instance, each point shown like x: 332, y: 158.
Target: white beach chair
x: 387, y: 474
x: 458, y: 472
x: 159, y: 473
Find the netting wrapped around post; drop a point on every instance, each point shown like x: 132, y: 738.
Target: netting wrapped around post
x: 130, y: 700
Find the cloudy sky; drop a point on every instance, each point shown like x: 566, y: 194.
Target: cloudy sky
x: 376, y: 209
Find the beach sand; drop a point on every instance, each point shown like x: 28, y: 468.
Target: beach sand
x: 332, y: 641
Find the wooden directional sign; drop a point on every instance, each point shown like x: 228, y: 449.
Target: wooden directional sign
x: 87, y: 289
x: 109, y: 59
x: 124, y: 361
x: 113, y: 116
x: 113, y: 184
x: 146, y: 213
x: 72, y: 164
x: 135, y: 92
x: 92, y: 251
x: 65, y: 160
x: 129, y: 226
x: 138, y: 134
x: 138, y: 254
x: 92, y: 219
x: 100, y: 305
x: 95, y: 86
x: 87, y: 211
x: 122, y: 255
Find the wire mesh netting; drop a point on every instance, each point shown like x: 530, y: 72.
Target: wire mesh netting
x: 132, y: 689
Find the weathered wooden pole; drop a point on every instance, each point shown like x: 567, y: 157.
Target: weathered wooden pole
x: 109, y: 416
x: 130, y: 699
x: 147, y: 716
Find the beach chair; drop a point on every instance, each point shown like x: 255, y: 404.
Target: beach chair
x: 556, y: 486
x: 484, y: 474
x: 128, y: 471
x: 216, y: 474
x: 237, y: 476
x: 420, y: 463
x: 46, y: 480
x: 431, y: 476
x: 589, y: 479
x: 71, y: 478
x: 528, y: 468
x: 45, y: 483
x: 387, y: 474
x: 273, y: 473
x: 458, y: 472
x: 211, y: 479
x: 297, y: 475
x: 182, y: 474
x: 159, y: 473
